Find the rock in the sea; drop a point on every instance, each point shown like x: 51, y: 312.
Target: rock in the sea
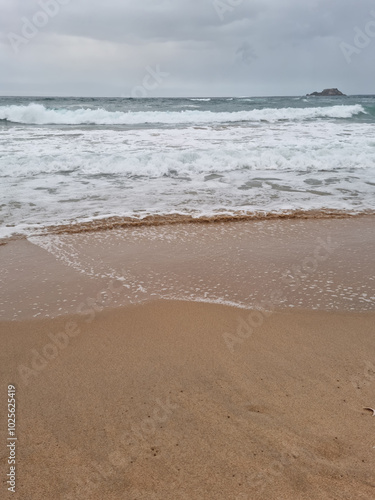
x: 327, y: 93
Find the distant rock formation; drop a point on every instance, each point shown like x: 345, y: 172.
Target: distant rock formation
x: 326, y: 93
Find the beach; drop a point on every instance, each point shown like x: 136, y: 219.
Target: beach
x: 228, y: 361
x: 187, y: 265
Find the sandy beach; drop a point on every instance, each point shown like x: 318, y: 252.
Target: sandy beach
x: 187, y: 264
x: 228, y: 361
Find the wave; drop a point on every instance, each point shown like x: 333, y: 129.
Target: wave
x: 117, y: 222
x: 95, y: 224
x: 37, y: 114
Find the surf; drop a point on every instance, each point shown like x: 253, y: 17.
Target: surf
x: 38, y: 114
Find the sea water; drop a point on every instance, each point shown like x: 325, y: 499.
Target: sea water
x: 68, y: 160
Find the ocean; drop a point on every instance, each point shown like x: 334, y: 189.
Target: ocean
x: 67, y: 161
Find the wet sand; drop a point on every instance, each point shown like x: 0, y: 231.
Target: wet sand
x: 310, y: 264
x: 176, y: 399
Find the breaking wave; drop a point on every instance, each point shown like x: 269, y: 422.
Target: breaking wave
x: 40, y: 115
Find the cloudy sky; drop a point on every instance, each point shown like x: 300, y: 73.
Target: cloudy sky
x: 195, y: 47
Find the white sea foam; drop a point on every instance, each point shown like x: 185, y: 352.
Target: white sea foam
x: 178, y: 153
x: 227, y: 160
x: 85, y: 174
x: 40, y: 115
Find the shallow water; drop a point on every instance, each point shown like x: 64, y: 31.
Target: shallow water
x: 270, y: 265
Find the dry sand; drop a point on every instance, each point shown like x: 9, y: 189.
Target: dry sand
x: 148, y: 402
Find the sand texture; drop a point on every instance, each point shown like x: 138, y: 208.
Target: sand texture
x: 178, y: 400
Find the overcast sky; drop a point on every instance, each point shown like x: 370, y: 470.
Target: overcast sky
x: 196, y: 47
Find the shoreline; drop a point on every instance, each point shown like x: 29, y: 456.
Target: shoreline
x: 319, y: 264
x: 127, y: 222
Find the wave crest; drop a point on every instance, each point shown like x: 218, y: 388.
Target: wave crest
x: 37, y: 114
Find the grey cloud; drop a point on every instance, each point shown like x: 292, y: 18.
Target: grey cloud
x: 256, y: 47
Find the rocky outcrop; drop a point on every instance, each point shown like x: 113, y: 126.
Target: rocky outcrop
x: 326, y: 93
